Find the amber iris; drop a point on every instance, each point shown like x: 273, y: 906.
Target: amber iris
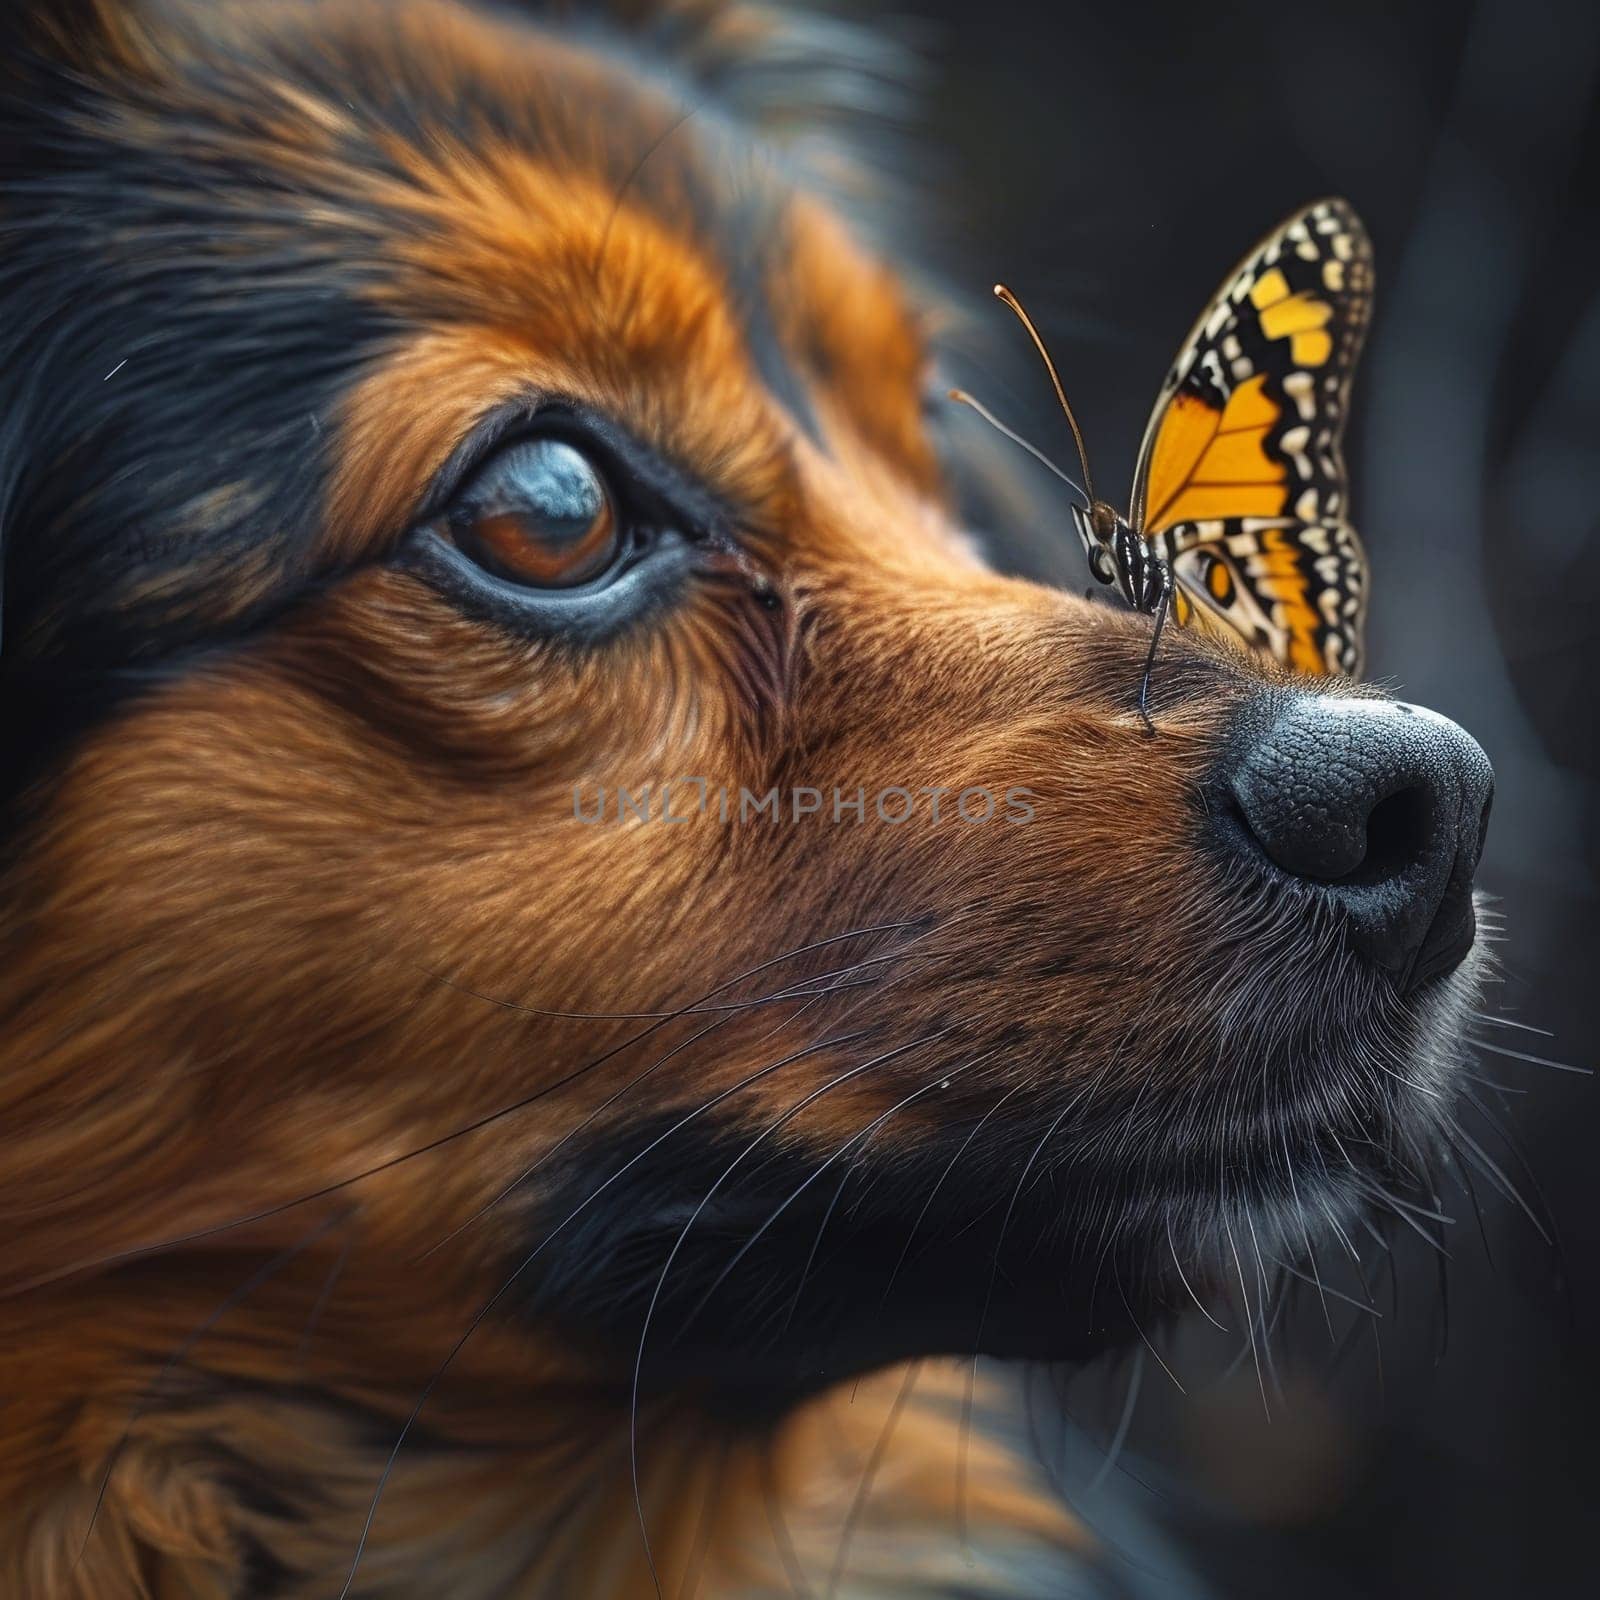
x: 538, y: 514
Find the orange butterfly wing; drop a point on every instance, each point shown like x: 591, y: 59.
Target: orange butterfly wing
x: 1241, y: 479
x: 1211, y: 462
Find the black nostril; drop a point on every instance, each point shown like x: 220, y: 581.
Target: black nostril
x: 1383, y: 806
x: 1398, y: 829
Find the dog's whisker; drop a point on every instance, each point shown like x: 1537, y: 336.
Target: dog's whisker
x: 1503, y: 1133
x: 1264, y: 1298
x: 964, y: 1442
x: 1249, y: 1312
x: 1490, y: 1168
x: 236, y: 1297
x: 1537, y: 1061
x: 1124, y: 1424
x: 944, y: 1077
x: 700, y: 1007
x: 508, y: 1283
x: 1464, y: 1175
x: 949, y: 1167
x: 1178, y: 1268
x: 869, y: 1473
x: 476, y: 1126
x: 1305, y: 1235
x: 572, y: 1134
x: 1145, y: 1337
x: 1405, y: 1209
x: 1326, y: 1290
x: 1492, y: 1084
x: 324, y: 1297
x: 1498, y: 1021
x: 772, y: 1127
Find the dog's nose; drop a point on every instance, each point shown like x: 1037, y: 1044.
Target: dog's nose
x: 1383, y: 805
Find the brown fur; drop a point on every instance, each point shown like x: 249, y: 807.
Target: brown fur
x: 273, y: 926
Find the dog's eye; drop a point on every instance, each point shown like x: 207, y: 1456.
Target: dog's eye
x: 540, y: 514
x: 571, y: 530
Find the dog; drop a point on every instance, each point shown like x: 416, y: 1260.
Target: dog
x: 573, y: 952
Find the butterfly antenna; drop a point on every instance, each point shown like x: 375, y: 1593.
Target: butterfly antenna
x: 1003, y: 293
x: 961, y: 397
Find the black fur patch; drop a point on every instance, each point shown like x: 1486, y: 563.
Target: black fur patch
x: 844, y: 1278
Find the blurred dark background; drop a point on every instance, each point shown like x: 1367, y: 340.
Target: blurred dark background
x: 1111, y: 161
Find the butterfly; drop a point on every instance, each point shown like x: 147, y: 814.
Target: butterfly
x: 1238, y: 520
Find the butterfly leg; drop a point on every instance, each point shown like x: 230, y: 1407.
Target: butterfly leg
x: 1162, y: 575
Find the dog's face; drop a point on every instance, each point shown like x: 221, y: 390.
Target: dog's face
x: 421, y: 427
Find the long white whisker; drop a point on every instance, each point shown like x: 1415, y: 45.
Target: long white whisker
x: 1538, y: 1061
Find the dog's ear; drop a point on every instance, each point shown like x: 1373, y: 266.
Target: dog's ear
x: 839, y: 97
x: 792, y: 69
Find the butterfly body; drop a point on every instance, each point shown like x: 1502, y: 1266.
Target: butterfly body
x: 1120, y: 559
x: 1238, y: 517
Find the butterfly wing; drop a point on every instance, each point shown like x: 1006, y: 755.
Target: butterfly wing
x: 1241, y: 480
x: 1296, y: 591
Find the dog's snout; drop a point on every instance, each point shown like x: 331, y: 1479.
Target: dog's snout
x: 1382, y: 805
